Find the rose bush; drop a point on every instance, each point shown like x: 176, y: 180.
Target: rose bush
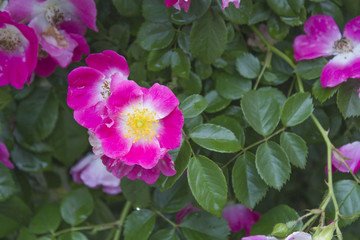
x: 207, y: 119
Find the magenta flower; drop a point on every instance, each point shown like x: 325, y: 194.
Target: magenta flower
x: 90, y: 87
x: 143, y: 124
x: 351, y: 151
x: 178, y: 4
x: 323, y: 38
x: 258, y: 237
x: 4, y: 156
x: 240, y: 217
x: 93, y: 174
x: 60, y: 27
x: 185, y: 211
x: 226, y: 3
x: 18, y: 52
x: 119, y: 169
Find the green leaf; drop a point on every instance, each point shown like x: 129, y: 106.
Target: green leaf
x: 261, y: 110
x: 232, y: 124
x: 215, y: 102
x: 310, y: 69
x: 165, y: 234
x: 47, y: 219
x: 208, y: 37
x: 25, y: 234
x: 295, y: 148
x: 159, y: 59
x: 180, y: 63
x: 203, y: 70
x: 69, y: 140
x: 14, y: 213
x: 329, y: 8
x: 155, y: 10
x: 73, y: 236
x: 215, y: 138
x: 238, y: 15
x: 248, y: 65
x: 7, y: 184
x: 196, y: 11
x: 348, y: 100
x: 347, y: 193
x: 248, y: 186
x: 279, y: 214
x: 29, y: 161
x: 5, y: 97
x: 181, y: 163
x: 260, y: 13
x: 120, y: 33
x: 272, y: 164
x: 204, y: 226
x: 296, y: 109
x: 277, y: 28
x: 155, y: 36
x: 136, y: 191
x: 173, y: 199
x: 77, y: 206
x: 322, y: 93
x: 37, y: 114
x: 193, y: 84
x: 128, y: 8
x: 231, y: 86
x: 139, y: 225
x: 193, y: 105
x: 208, y: 184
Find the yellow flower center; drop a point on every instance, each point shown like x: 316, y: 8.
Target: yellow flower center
x: 140, y: 123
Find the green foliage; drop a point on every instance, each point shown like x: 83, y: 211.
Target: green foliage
x: 47, y: 219
x: 296, y: 109
x: 7, y: 184
x: 193, y: 105
x: 139, y: 225
x: 136, y: 192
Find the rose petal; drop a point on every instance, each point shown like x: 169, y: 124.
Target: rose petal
x: 350, y: 151
x: 352, y: 30
x: 238, y: 216
x: 169, y: 130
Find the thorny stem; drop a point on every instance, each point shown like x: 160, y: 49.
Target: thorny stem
x: 266, y: 64
x: 323, y: 132
x: 253, y: 145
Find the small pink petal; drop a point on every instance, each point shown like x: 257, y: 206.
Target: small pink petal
x: 240, y: 217
x: 166, y: 165
x: 169, y: 3
x: 184, y: 4
x: 185, y: 211
x: 352, y: 30
x: 81, y: 48
x: 226, y: 3
x: 90, y: 117
x: 4, y: 156
x: 299, y: 236
x: 45, y: 66
x: 258, y: 237
x: 321, y: 34
x: 147, y: 175
x: 86, y: 11
x: 143, y: 153
x: 350, y: 151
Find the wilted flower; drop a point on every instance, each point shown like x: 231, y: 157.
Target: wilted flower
x: 4, y: 156
x: 60, y: 26
x: 119, y: 169
x: 351, y: 151
x: 323, y: 38
x: 240, y: 217
x: 93, y: 174
x: 18, y: 52
x: 90, y: 87
x: 143, y: 124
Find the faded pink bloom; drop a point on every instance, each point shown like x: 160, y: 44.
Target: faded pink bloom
x: 143, y: 124
x: 60, y: 26
x: 18, y: 52
x: 119, y: 169
x: 93, y: 174
x: 293, y: 236
x: 255, y: 41
x: 96, y: 144
x: 185, y: 211
x: 323, y: 38
x: 4, y: 156
x: 240, y: 217
x: 226, y: 3
x: 351, y: 151
x: 90, y: 87
x: 178, y: 4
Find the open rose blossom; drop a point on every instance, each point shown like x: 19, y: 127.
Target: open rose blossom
x: 293, y: 236
x: 351, y: 152
x: 60, y: 26
x: 323, y: 38
x: 4, y: 156
x: 18, y: 52
x: 93, y: 174
x: 240, y: 217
